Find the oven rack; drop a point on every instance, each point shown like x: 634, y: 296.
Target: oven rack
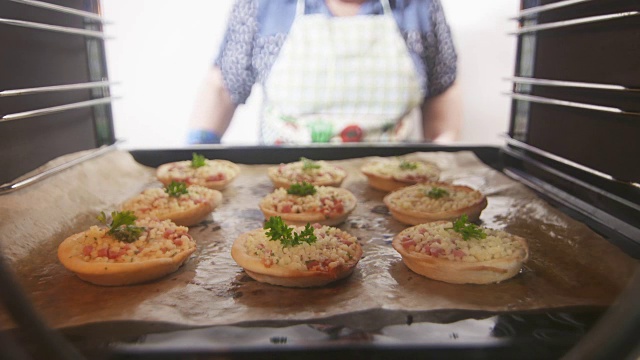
x: 576, y: 88
x: 536, y: 8
x: 56, y: 97
x: 551, y: 101
x: 22, y: 183
x: 580, y: 21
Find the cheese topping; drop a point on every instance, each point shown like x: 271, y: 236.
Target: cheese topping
x: 325, y: 173
x: 156, y: 203
x: 402, y: 170
x: 213, y: 170
x: 333, y: 249
x: 327, y: 200
x: 161, y: 239
x: 440, y: 241
x: 416, y: 198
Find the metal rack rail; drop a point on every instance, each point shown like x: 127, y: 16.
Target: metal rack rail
x: 73, y: 40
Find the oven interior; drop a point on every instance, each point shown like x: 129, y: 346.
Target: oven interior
x: 573, y: 138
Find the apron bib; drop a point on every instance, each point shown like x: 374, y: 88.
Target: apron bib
x: 341, y: 79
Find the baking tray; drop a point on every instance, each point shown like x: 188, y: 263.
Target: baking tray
x: 451, y: 333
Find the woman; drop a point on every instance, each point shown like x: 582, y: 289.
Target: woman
x: 335, y: 71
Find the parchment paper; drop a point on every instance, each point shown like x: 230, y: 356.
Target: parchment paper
x: 570, y: 265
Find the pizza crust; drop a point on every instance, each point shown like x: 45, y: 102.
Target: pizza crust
x: 284, y: 276
x: 196, y: 214
x: 117, y: 274
x: 411, y: 217
x: 164, y: 176
x: 459, y: 272
x: 187, y: 217
x: 301, y: 219
x: 280, y: 181
x: 384, y: 184
x: 391, y: 182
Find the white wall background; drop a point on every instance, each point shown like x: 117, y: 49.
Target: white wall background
x: 486, y: 56
x: 161, y: 49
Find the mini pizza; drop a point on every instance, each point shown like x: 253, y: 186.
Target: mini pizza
x: 433, y: 201
x: 308, y: 256
x: 388, y: 174
x: 213, y: 174
x: 304, y: 203
x: 319, y: 173
x: 183, y: 205
x: 130, y: 251
x: 460, y: 252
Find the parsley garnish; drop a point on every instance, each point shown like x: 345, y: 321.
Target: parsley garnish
x: 198, y: 161
x: 301, y: 189
x: 308, y: 164
x: 437, y: 193
x: 279, y: 231
x: 176, y: 189
x: 122, y: 225
x: 408, y: 165
x: 467, y: 229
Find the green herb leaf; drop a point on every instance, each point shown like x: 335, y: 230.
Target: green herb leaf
x: 301, y: 189
x: 176, y: 189
x: 198, y: 161
x: 127, y: 233
x: 309, y: 164
x: 279, y: 231
x: 408, y: 165
x: 120, y: 218
x: 305, y: 235
x: 437, y: 193
x: 102, y: 218
x: 122, y: 225
x: 466, y: 229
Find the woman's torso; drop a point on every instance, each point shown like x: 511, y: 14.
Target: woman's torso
x: 259, y: 29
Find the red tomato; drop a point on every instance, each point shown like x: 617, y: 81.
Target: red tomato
x: 351, y: 133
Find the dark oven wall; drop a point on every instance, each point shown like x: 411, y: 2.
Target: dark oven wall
x: 53, y: 88
x: 578, y: 83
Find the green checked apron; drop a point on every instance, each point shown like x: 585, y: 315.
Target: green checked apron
x: 341, y: 79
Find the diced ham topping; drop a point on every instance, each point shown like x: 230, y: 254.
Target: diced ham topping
x: 332, y: 250
x: 216, y: 177
x: 86, y: 251
x: 112, y: 254
x: 408, y: 242
x: 458, y: 253
x: 441, y: 241
x: 158, y: 238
